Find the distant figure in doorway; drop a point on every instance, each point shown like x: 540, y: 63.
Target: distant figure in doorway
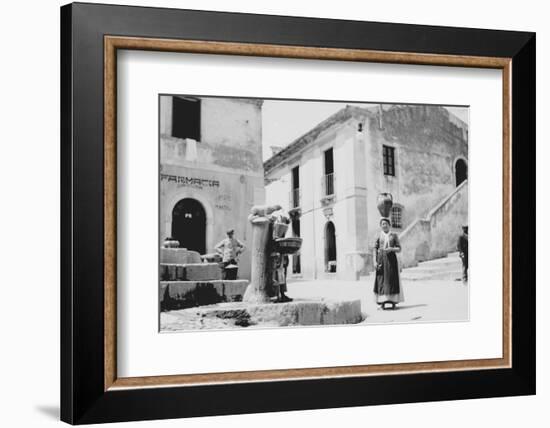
x: 462, y: 247
x: 229, y: 249
x: 387, y: 285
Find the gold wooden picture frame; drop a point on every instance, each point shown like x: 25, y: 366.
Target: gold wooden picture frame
x: 114, y: 43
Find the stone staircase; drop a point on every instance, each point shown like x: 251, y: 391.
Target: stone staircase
x: 435, y: 235
x: 444, y: 269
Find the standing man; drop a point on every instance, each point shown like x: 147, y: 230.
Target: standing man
x: 283, y: 288
x: 462, y: 247
x: 229, y: 249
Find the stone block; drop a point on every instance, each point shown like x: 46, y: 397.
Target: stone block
x: 163, y: 272
x: 181, y: 273
x: 203, y: 271
x: 211, y: 258
x: 185, y: 294
x: 179, y: 256
x: 162, y: 290
x: 307, y: 313
x: 233, y: 290
x: 190, y: 272
x: 235, y: 315
x: 172, y: 272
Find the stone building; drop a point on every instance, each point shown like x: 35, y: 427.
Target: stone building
x: 329, y: 179
x: 211, y: 170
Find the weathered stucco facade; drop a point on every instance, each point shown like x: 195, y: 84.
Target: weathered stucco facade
x: 211, y: 170
x: 417, y: 153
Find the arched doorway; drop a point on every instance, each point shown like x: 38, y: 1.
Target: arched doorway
x: 330, y: 247
x: 189, y: 225
x: 461, y: 171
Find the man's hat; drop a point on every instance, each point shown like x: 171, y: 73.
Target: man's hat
x: 230, y: 231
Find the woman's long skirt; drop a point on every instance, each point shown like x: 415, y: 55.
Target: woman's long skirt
x: 387, y: 286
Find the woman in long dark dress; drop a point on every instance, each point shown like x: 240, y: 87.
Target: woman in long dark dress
x: 387, y: 285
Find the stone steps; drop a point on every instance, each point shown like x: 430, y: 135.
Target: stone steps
x: 445, y: 268
x: 450, y: 275
x: 449, y: 259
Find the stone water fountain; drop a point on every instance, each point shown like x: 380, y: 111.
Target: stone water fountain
x: 268, y: 247
x: 260, y: 306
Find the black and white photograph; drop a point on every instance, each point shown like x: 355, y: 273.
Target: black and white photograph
x: 247, y: 214
x: 288, y: 213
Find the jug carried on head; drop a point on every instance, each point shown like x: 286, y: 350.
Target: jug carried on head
x: 385, y: 202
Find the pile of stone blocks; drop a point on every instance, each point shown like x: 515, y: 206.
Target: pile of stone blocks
x: 187, y: 281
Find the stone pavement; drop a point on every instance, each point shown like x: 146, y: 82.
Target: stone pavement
x: 429, y: 300
x: 433, y: 291
x: 425, y: 301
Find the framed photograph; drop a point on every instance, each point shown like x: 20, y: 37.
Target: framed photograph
x: 266, y: 213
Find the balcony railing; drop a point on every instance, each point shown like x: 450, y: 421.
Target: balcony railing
x: 328, y: 185
x: 294, y: 198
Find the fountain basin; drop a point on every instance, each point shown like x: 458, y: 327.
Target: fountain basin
x: 288, y: 245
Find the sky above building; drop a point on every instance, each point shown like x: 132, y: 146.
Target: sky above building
x: 283, y: 121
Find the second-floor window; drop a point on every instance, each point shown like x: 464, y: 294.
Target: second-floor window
x: 186, y: 118
x: 388, y: 154
x: 329, y: 173
x: 295, y: 190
